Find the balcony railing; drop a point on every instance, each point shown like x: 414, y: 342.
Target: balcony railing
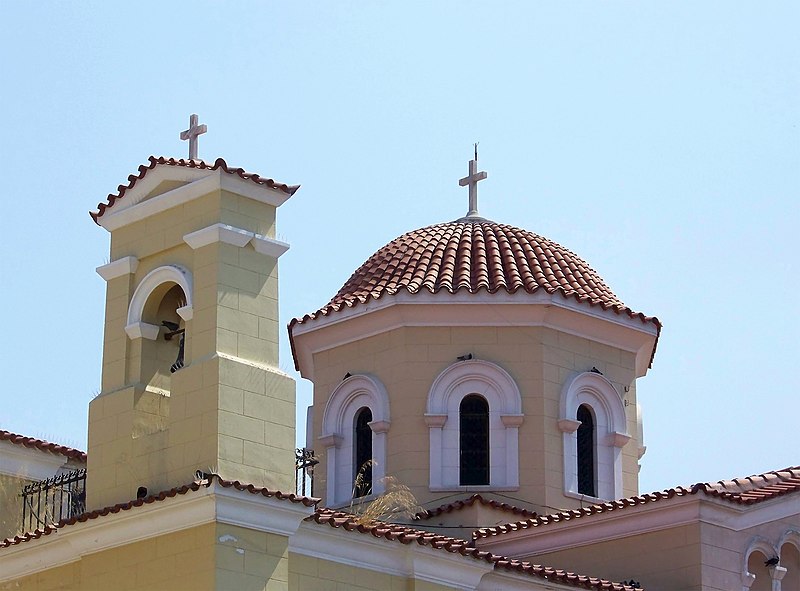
x: 304, y: 463
x: 49, y: 501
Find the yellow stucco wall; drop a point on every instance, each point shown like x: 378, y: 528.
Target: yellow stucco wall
x: 10, y: 505
x: 182, y: 560
x: 316, y: 574
x: 666, y: 559
x: 228, y: 410
x: 540, y: 360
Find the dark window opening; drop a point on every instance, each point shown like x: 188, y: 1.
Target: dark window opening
x: 586, y: 481
x: 474, y: 440
x: 362, y: 477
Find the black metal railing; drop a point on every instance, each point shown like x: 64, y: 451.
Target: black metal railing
x: 304, y: 462
x: 49, y: 501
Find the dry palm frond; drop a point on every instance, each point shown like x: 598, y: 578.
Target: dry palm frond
x: 398, y: 500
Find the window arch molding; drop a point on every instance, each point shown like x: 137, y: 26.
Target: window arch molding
x: 135, y: 327
x: 498, y: 388
x: 761, y: 545
x: 350, y: 396
x: 611, y: 433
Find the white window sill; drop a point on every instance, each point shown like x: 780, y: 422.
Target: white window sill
x: 587, y: 498
x: 473, y: 488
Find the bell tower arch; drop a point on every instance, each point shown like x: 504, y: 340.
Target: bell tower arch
x: 190, y: 377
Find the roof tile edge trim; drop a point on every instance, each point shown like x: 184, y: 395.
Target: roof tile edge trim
x: 406, y: 535
x: 751, y: 496
x: 219, y: 163
x: 42, y: 445
x: 160, y: 496
x: 470, y: 501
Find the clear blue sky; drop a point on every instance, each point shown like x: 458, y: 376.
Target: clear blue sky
x: 658, y: 140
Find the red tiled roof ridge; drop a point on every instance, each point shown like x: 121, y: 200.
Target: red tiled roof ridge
x: 407, y: 535
x: 219, y: 163
x: 471, y: 500
x: 775, y: 483
x: 160, y: 496
x: 43, y: 445
x: 474, y: 256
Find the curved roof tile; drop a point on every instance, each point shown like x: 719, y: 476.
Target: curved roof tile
x: 42, y: 445
x: 474, y: 254
x: 471, y: 255
x: 741, y: 491
x: 406, y: 535
x: 155, y: 161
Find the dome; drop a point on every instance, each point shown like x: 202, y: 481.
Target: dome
x: 469, y: 255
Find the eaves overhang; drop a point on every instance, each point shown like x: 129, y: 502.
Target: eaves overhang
x: 426, y: 309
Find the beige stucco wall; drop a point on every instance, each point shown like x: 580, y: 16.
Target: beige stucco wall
x: 183, y: 560
x: 540, y: 360
x: 665, y: 560
x: 229, y: 410
x: 10, y: 505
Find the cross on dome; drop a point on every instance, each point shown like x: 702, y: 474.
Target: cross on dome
x: 471, y: 180
x: 192, y: 134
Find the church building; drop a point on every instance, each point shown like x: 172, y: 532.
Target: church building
x: 474, y: 423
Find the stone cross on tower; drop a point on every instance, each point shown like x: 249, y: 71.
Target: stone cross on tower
x: 192, y: 134
x: 472, y: 181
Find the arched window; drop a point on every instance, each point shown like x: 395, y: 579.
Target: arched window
x: 354, y: 431
x: 473, y: 447
x: 586, y: 459
x: 595, y: 429
x: 362, y: 464
x: 474, y: 407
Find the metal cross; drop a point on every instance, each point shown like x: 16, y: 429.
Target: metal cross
x: 192, y: 134
x: 472, y: 181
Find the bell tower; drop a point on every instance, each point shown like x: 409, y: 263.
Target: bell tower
x: 190, y: 377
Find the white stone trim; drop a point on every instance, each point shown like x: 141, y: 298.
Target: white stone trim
x: 665, y: 514
x: 217, y: 233
x: 266, y: 514
x: 186, y: 312
x: 269, y: 246
x: 118, y: 268
x: 206, y: 505
x: 475, y: 376
x: 757, y: 544
x: 168, y: 273
x: 350, y: 395
x: 28, y: 463
x: 413, y: 561
x: 236, y: 237
x: 464, y: 309
x: 142, y: 330
x: 595, y: 391
x: 199, y: 182
x: 791, y: 536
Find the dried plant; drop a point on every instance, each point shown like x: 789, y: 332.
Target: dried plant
x: 396, y: 501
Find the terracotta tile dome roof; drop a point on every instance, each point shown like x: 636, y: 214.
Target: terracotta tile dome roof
x: 469, y: 255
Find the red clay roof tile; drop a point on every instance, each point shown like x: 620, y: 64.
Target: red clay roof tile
x: 42, y: 445
x: 469, y: 502
x: 474, y: 254
x: 166, y: 494
x: 742, y: 491
x: 219, y: 163
x: 407, y: 535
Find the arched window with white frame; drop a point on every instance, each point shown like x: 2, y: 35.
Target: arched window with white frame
x: 474, y: 407
x: 354, y: 426
x: 594, y: 427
